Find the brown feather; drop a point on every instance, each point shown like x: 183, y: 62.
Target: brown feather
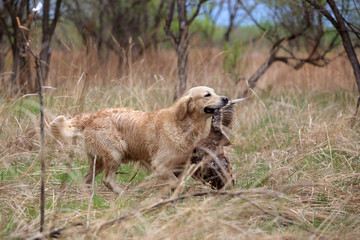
x: 214, y: 166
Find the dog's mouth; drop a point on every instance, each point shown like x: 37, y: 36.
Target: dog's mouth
x: 213, y: 108
x: 210, y: 110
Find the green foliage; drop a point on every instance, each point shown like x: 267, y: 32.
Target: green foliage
x: 10, y: 174
x: 28, y: 106
x: 233, y: 62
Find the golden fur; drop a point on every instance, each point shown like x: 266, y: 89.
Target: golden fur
x: 161, y: 140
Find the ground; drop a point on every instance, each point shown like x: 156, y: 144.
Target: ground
x: 295, y: 157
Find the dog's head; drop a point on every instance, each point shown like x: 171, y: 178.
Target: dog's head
x: 200, y: 101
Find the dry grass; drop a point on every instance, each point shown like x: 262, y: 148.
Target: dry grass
x: 295, y: 155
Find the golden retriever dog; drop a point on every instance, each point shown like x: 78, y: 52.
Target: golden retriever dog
x: 161, y: 140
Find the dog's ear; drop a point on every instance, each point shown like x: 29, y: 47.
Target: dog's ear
x: 185, y: 107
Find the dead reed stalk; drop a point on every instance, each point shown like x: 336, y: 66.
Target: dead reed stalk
x: 42, y: 131
x: 92, y: 194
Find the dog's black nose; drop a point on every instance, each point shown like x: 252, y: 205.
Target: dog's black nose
x: 225, y: 100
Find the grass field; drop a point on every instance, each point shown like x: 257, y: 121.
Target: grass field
x: 295, y: 155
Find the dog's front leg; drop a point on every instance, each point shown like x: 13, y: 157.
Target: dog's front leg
x: 165, y: 175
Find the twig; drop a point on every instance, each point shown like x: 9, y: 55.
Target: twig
x: 54, y: 233
x: 92, y: 195
x: 42, y: 134
x: 188, y: 22
x: 168, y: 21
x: 132, y: 178
x: 356, y: 112
x: 186, y: 196
x: 285, y: 220
x: 57, y: 231
x: 238, y: 100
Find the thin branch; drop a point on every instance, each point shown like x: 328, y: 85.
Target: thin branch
x: 13, y: 24
x: 158, y: 15
x: 233, y: 10
x: 312, y: 61
x: 324, y: 12
x: 352, y: 26
x: 284, y: 39
x: 265, y: 192
x: 92, y: 195
x: 348, y: 46
x: 188, y: 22
x: 287, y: 51
x: 56, y: 16
x: 45, y: 19
x: 219, y: 11
x: 285, y: 220
x: 186, y: 196
x: 131, y: 179
x: 54, y: 233
x: 357, y: 9
x: 249, y: 13
x: 168, y: 22
x: 302, y: 61
x: 42, y: 133
x: 331, y: 45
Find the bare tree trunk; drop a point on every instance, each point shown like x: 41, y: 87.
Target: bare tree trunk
x: 233, y: 9
x: 156, y: 24
x: 251, y: 82
x: 228, y: 31
x: 48, y: 31
x: 14, y: 73
x: 2, y: 54
x: 182, y: 49
x: 348, y: 46
x: 2, y: 59
x: 42, y: 122
x: 339, y: 24
x: 16, y: 58
x: 45, y: 42
x: 24, y: 55
x: 9, y: 24
x: 45, y: 55
x: 182, y: 55
x: 181, y: 41
x: 24, y: 73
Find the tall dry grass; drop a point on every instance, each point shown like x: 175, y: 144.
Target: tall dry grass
x: 295, y: 154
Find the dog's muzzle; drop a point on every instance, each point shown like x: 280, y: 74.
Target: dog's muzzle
x: 211, y: 109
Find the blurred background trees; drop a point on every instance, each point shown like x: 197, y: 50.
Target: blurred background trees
x: 111, y: 25
x: 295, y: 33
x: 20, y: 79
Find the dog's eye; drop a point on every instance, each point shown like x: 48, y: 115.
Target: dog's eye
x: 207, y: 95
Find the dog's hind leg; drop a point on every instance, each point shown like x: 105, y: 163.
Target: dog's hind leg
x: 110, y: 150
x: 98, y: 168
x: 109, y: 175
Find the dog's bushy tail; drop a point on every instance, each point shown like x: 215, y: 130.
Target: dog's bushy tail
x: 63, y: 128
